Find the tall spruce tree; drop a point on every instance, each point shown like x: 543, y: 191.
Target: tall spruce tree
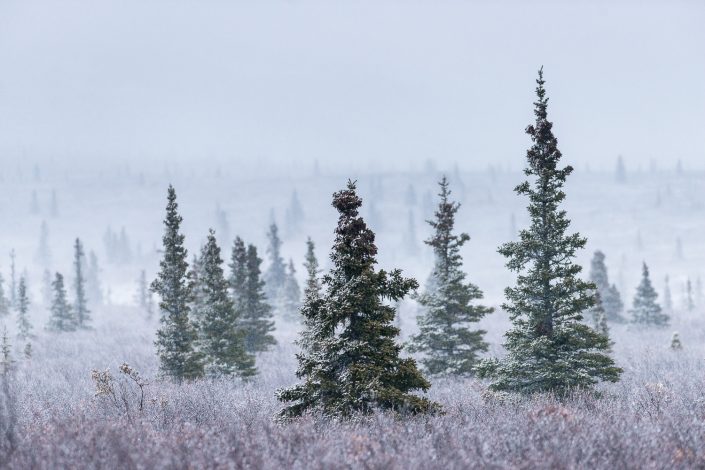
x: 611, y: 300
x: 80, y: 306
x: 357, y: 366
x: 176, y: 337
x: 255, y: 312
x: 549, y: 348
x: 24, y: 327
x: 275, y: 277
x: 62, y: 316
x: 645, y: 310
x: 220, y: 336
x: 309, y: 309
x: 238, y: 272
x: 446, y: 340
x: 667, y: 299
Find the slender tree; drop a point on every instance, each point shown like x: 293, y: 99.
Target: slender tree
x: 24, y: 327
x: 446, y: 339
x: 275, y: 277
x: 6, y: 361
x: 309, y: 309
x: 611, y: 299
x: 177, y: 335
x: 220, y: 336
x: 4, y: 301
x: 80, y: 305
x: 667, y: 299
x: 256, y: 314
x: 645, y: 310
x: 549, y: 348
x: 357, y: 367
x: 62, y: 316
x: 291, y: 294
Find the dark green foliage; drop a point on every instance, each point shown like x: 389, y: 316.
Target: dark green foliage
x: 250, y: 301
x: 220, y: 337
x: 62, y: 317
x: 275, y: 277
x: 354, y: 365
x: 80, y: 305
x: 449, y: 345
x: 290, y: 300
x: 24, y: 327
x: 549, y: 348
x: 176, y: 337
x: 645, y: 310
x: 611, y: 300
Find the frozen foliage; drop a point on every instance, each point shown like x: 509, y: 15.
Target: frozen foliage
x: 176, y: 338
x: 611, y: 299
x: 354, y: 363
x: 446, y: 340
x: 548, y: 347
x: 24, y: 327
x: 62, y: 316
x: 645, y: 310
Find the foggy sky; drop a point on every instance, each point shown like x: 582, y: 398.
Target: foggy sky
x: 351, y: 84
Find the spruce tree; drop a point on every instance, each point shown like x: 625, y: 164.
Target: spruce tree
x: 142, y: 291
x: 446, y: 340
x: 6, y: 361
x: 220, y: 336
x: 645, y: 310
x: 62, y: 317
x: 80, y: 305
x: 611, y: 300
x: 256, y: 314
x: 4, y: 301
x: 24, y: 327
x: 291, y: 295
x: 357, y: 365
x: 667, y: 299
x: 176, y: 337
x: 549, y: 348
x: 238, y: 272
x: 309, y: 309
x: 275, y: 277
x: 689, y: 303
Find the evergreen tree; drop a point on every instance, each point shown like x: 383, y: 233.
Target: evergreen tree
x: 13, y: 280
x: 93, y: 288
x: 177, y: 335
x: 449, y: 345
x: 294, y: 215
x: 80, y: 305
x: 676, y: 344
x: 24, y: 327
x: 356, y: 367
x: 645, y: 310
x: 689, y: 304
x: 549, y: 348
x: 275, y: 277
x: 4, y: 302
x: 62, y: 317
x: 667, y: 299
x: 6, y: 361
x: 256, y: 314
x: 238, y: 273
x: 43, y: 252
x: 611, y: 299
x: 220, y: 336
x: 291, y: 295
x: 309, y: 309
x: 599, y: 317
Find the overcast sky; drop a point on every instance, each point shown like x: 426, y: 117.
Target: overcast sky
x: 350, y: 82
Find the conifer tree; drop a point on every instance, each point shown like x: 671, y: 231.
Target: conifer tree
x: 449, y: 345
x: 667, y: 298
x: 291, y: 295
x: 256, y: 314
x: 4, y: 301
x: 645, y: 310
x: 238, y: 272
x: 176, y: 337
x: 62, y: 317
x: 142, y: 291
x: 309, y: 309
x: 689, y: 304
x: 294, y: 215
x: 80, y: 306
x: 611, y: 300
x: 275, y: 277
x: 24, y: 327
x: 13, y: 280
x: 549, y: 348
x: 676, y: 344
x: 220, y: 336
x: 6, y: 361
x: 357, y: 366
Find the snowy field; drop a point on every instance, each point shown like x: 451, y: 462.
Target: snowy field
x: 653, y: 418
